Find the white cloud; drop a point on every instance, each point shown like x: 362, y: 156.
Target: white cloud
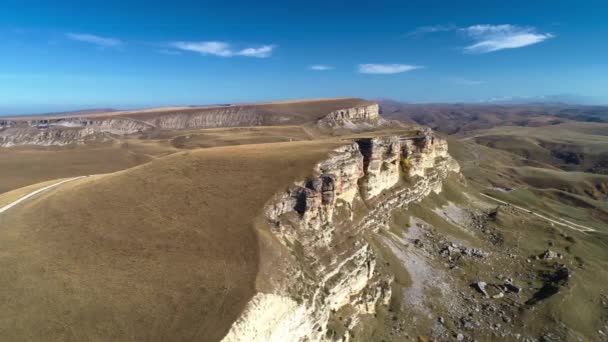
x: 320, y: 67
x: 490, y: 38
x: 223, y: 49
x: 431, y: 29
x: 206, y: 48
x: 386, y: 68
x: 260, y: 52
x: 93, y: 39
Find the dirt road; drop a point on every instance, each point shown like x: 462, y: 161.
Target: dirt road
x: 34, y: 193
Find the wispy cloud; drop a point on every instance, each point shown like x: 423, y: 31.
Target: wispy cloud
x: 223, y: 49
x: 320, y: 67
x: 463, y: 81
x: 104, y: 42
x: 386, y: 68
x: 206, y: 48
x: 431, y: 29
x: 260, y: 52
x: 490, y: 38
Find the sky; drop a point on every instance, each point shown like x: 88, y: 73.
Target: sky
x: 67, y: 55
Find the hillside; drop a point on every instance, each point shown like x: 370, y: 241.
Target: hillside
x: 575, y: 146
x: 462, y: 118
x: 162, y: 251
x: 176, y: 249
x: 326, y: 115
x: 334, y: 229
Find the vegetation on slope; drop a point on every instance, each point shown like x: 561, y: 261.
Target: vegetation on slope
x: 163, y: 251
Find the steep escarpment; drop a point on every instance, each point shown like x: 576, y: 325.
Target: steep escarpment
x: 329, y: 114
x: 221, y: 117
x: 68, y: 131
x: 324, y: 224
x: 363, y: 117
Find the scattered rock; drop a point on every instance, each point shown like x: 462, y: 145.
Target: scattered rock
x: 549, y: 254
x: 512, y: 288
x: 466, y: 323
x: 498, y: 295
x: 481, y: 287
x: 460, y: 337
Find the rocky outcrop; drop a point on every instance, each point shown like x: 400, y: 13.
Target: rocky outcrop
x: 47, y: 137
x: 222, y: 117
x: 76, y: 130
x: 353, y: 118
x: 65, y: 132
x: 324, y: 224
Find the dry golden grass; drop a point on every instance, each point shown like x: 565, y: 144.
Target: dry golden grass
x: 303, y: 108
x: 14, y: 195
x: 23, y: 166
x: 27, y: 165
x: 162, y: 251
x: 239, y: 136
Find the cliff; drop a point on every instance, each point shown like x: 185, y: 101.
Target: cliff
x: 364, y: 117
x: 329, y: 114
x: 323, y: 224
x: 72, y: 131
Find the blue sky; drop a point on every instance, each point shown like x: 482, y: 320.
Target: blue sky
x: 63, y: 55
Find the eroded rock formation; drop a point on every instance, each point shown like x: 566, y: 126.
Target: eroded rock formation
x: 65, y: 132
x: 325, y: 222
x: 353, y: 118
x: 78, y: 130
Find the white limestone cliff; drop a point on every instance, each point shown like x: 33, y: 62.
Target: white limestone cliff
x: 324, y: 221
x: 75, y: 130
x: 365, y: 117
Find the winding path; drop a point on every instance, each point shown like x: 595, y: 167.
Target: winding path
x: 34, y: 193
x: 559, y: 221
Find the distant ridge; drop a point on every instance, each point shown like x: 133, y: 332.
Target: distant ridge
x: 71, y: 113
x: 301, y: 107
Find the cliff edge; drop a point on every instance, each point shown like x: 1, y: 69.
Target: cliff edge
x: 323, y: 226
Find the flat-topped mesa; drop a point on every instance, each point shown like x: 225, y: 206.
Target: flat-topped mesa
x: 58, y: 132
x: 363, y: 117
x: 323, y: 224
x: 357, y: 114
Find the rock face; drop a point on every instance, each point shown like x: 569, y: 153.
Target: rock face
x: 75, y: 130
x: 324, y: 223
x: 222, y: 117
x: 353, y: 118
x: 65, y: 132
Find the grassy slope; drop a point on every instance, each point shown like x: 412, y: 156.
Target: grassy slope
x: 11, y: 196
x: 28, y: 165
x: 300, y: 110
x: 163, y: 251
x: 577, y: 305
x: 572, y: 146
x: 459, y: 118
x: 575, y: 196
x: 23, y: 166
x: 239, y: 136
x: 580, y: 183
